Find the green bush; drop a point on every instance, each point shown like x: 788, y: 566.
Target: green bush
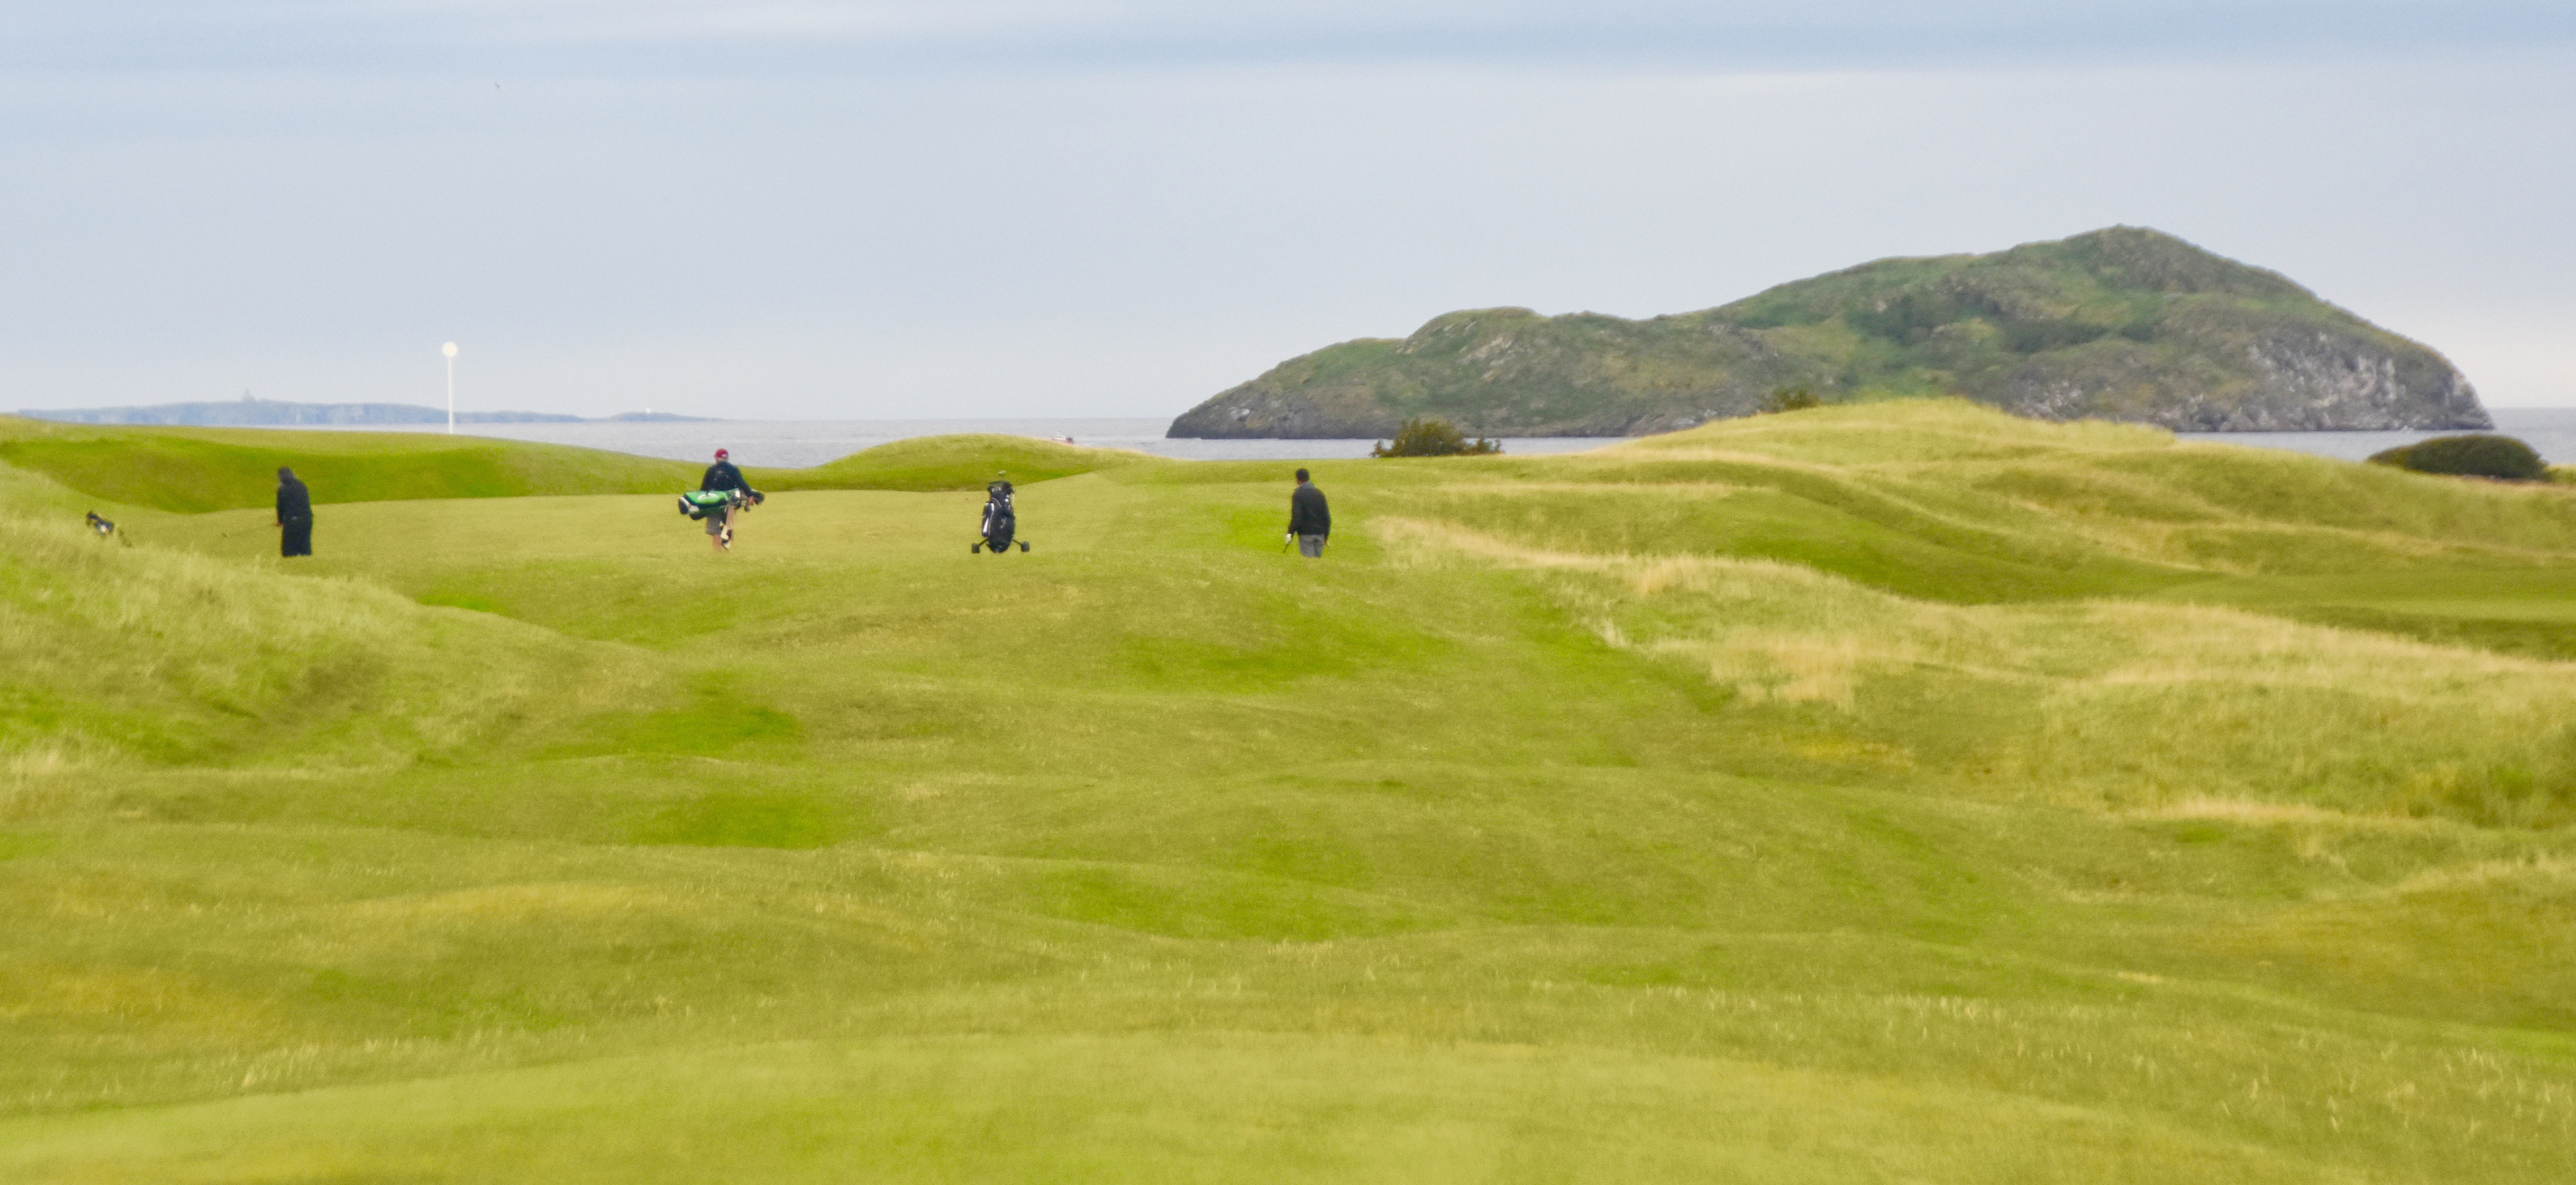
x: 2468, y: 456
x: 2031, y: 337
x: 1791, y: 399
x: 1423, y: 436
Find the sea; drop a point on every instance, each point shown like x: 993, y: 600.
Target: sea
x: 2550, y: 431
x: 796, y: 444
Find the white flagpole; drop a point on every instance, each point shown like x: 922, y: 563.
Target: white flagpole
x: 450, y: 350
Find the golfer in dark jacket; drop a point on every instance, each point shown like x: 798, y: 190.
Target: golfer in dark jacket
x: 723, y: 476
x: 294, y: 515
x: 1310, y: 521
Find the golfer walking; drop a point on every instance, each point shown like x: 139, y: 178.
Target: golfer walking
x: 294, y: 515
x: 1310, y: 521
x: 723, y: 476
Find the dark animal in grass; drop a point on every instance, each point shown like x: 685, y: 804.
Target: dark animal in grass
x: 1423, y: 436
x: 2500, y: 457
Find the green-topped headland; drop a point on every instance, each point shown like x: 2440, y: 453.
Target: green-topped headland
x: 2123, y: 323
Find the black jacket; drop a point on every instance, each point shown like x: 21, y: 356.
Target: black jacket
x: 294, y: 502
x: 1307, y: 513
x: 723, y: 476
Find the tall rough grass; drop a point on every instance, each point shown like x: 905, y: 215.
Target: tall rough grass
x: 2115, y: 703
x: 122, y: 653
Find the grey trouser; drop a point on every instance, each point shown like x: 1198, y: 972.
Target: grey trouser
x: 716, y: 522
x: 1311, y: 546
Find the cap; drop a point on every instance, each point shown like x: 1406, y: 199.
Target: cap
x: 721, y: 454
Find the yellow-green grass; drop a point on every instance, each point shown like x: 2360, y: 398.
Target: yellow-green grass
x: 1898, y: 793
x: 964, y: 462
x: 190, y: 470
x: 1140, y: 1107
x: 197, y: 469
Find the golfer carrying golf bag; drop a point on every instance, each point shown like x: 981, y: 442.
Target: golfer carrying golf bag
x: 1310, y: 521
x: 723, y: 478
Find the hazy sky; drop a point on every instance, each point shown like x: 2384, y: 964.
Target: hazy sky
x: 895, y: 209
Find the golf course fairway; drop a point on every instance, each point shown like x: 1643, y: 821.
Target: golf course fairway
x: 1900, y: 792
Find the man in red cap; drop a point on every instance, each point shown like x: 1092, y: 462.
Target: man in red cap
x: 723, y: 476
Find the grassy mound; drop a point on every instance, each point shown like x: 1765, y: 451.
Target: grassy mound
x: 2500, y: 457
x: 127, y: 658
x: 1942, y: 500
x: 1776, y: 801
x: 191, y: 470
x: 198, y: 469
x: 962, y: 462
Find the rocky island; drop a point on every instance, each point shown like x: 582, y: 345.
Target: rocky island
x: 2124, y: 323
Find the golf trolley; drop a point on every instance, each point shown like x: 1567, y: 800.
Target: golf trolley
x: 106, y: 529
x: 1001, y: 522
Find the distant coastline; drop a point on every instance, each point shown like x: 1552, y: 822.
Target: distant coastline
x: 248, y: 412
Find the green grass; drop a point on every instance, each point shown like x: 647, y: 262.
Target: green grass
x: 1888, y: 793
x: 197, y: 469
x: 191, y: 470
x: 949, y: 463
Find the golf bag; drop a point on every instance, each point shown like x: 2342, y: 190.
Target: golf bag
x: 698, y: 504
x: 1000, y: 521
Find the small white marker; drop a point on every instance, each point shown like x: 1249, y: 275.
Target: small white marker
x: 450, y: 350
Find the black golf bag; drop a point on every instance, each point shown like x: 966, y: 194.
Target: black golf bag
x: 1000, y: 521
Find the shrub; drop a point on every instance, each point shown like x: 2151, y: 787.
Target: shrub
x: 1791, y: 399
x: 1422, y: 436
x: 2468, y: 456
x: 2031, y: 337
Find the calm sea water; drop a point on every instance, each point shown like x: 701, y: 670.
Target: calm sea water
x: 795, y: 444
x: 2550, y: 431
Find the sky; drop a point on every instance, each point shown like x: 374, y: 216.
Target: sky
x: 899, y: 209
